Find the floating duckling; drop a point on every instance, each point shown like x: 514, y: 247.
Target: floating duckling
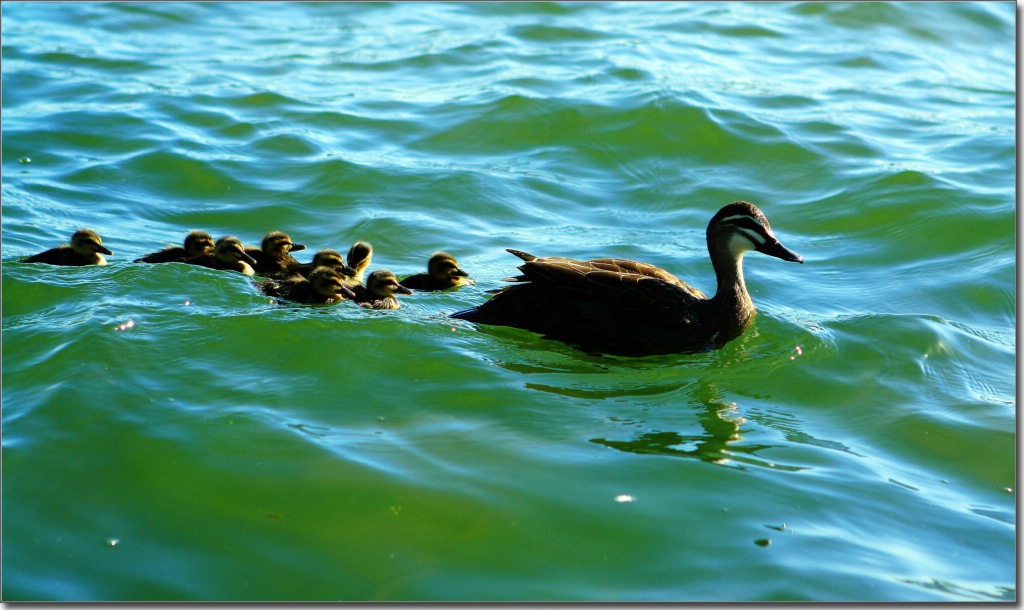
x: 323, y: 258
x: 197, y: 243
x: 274, y: 253
x: 86, y: 248
x: 629, y: 308
x: 442, y: 273
x: 380, y: 290
x: 359, y: 257
x: 228, y: 255
x: 325, y: 285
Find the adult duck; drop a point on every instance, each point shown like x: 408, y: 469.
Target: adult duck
x: 86, y: 248
x: 228, y: 255
x: 443, y: 272
x: 197, y: 243
x: 625, y: 307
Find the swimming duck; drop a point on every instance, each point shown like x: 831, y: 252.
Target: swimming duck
x: 86, y: 248
x: 197, y: 243
x: 228, y: 255
x: 380, y: 290
x: 359, y: 257
x: 629, y: 308
x: 274, y: 253
x: 325, y: 285
x: 442, y: 272
x: 323, y: 258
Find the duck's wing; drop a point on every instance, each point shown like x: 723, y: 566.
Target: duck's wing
x: 608, y: 284
x: 626, y: 266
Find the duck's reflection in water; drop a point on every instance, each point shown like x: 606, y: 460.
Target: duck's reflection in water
x: 721, y: 443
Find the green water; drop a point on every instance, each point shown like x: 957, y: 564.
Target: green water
x: 856, y: 443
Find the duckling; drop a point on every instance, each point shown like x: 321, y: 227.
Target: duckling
x: 274, y: 253
x: 359, y: 257
x: 86, y: 248
x: 325, y: 285
x: 228, y: 255
x: 323, y: 258
x: 442, y: 272
x: 197, y: 243
x: 628, y: 308
x: 380, y: 290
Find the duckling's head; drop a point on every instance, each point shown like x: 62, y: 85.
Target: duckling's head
x: 230, y: 250
x: 443, y: 268
x: 328, y: 282
x: 198, y: 243
x: 383, y: 283
x: 360, y: 255
x: 328, y: 258
x: 741, y: 227
x: 277, y: 244
x: 87, y: 242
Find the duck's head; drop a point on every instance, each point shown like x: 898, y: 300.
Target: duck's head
x: 277, y: 244
x: 332, y: 258
x: 740, y: 227
x: 198, y: 243
x: 87, y: 242
x: 359, y: 256
x: 383, y: 283
x: 443, y: 268
x: 329, y: 283
x: 230, y: 250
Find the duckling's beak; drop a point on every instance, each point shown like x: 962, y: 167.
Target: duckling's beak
x: 101, y: 249
x: 297, y: 247
x: 346, y: 292
x: 775, y: 248
x: 400, y: 289
x: 459, y: 273
x: 245, y: 257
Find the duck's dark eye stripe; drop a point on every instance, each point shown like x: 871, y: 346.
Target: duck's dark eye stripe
x: 747, y: 225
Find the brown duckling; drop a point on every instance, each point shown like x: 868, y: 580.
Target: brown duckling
x: 380, y: 290
x: 228, y: 255
x: 623, y: 307
x: 359, y: 257
x: 86, y: 248
x: 323, y: 258
x: 197, y: 243
x: 442, y: 273
x: 325, y: 285
x: 274, y: 253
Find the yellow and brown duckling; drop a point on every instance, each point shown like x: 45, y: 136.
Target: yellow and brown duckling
x: 197, y: 243
x: 380, y: 290
x: 442, y: 273
x: 274, y: 253
x: 86, y: 248
x: 322, y: 258
x: 325, y: 285
x: 228, y: 255
x: 359, y: 257
x: 628, y: 308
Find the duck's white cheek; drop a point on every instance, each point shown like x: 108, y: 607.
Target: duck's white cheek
x: 743, y: 241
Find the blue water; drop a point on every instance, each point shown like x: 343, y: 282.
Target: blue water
x: 857, y: 443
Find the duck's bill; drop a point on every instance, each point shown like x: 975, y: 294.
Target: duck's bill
x: 460, y: 273
x: 403, y: 290
x: 104, y: 250
x: 776, y: 249
x: 297, y: 247
x: 346, y: 292
x: 248, y: 259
